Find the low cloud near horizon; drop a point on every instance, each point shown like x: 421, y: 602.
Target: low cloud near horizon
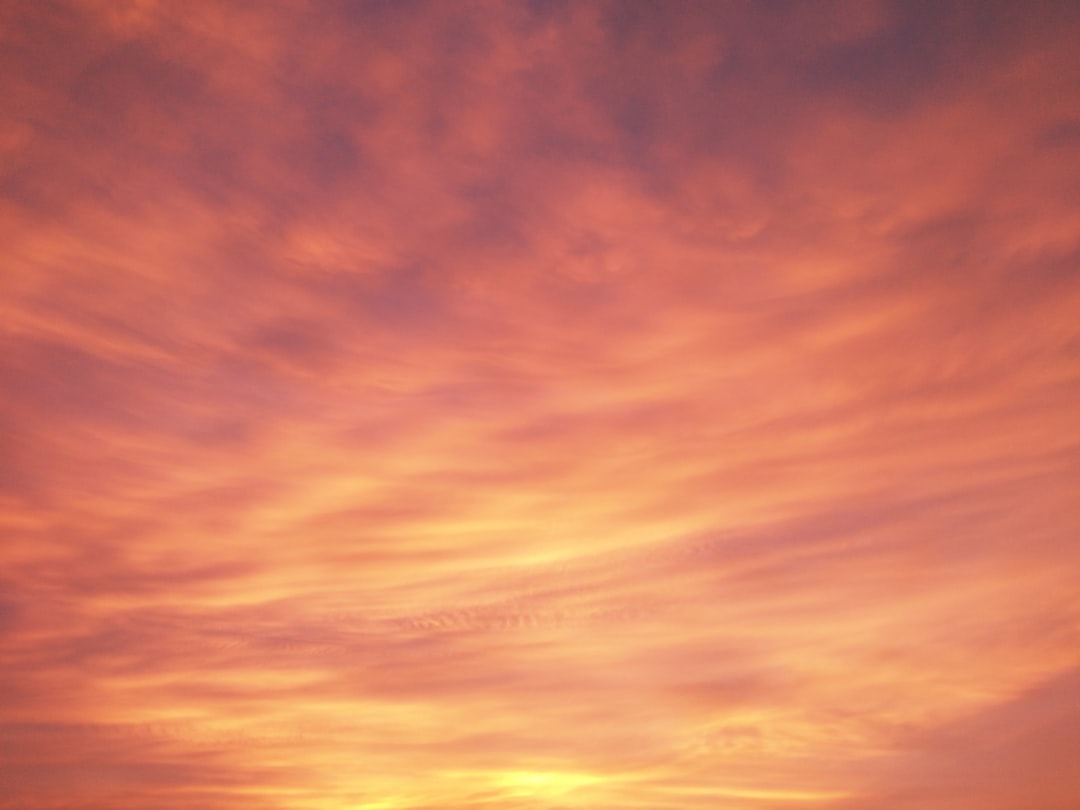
x: 539, y: 405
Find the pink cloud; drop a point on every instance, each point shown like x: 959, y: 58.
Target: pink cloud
x: 595, y: 405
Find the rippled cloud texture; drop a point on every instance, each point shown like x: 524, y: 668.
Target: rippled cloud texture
x: 539, y: 405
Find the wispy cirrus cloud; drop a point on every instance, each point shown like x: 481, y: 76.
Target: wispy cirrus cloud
x: 534, y: 405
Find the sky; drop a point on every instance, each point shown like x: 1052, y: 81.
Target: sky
x: 539, y: 405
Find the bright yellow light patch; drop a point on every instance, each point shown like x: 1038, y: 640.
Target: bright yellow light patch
x: 546, y: 783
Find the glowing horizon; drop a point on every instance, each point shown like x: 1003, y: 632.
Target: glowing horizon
x: 539, y: 405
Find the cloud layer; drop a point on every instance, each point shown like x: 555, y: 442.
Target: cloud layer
x: 539, y: 405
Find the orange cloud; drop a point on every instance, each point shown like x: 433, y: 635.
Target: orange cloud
x: 513, y: 405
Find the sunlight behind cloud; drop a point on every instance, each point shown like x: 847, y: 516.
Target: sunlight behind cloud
x: 528, y: 405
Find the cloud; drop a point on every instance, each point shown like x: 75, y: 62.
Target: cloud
x: 534, y: 405
x: 1013, y: 752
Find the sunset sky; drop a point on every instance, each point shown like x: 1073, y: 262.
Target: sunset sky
x: 539, y: 405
